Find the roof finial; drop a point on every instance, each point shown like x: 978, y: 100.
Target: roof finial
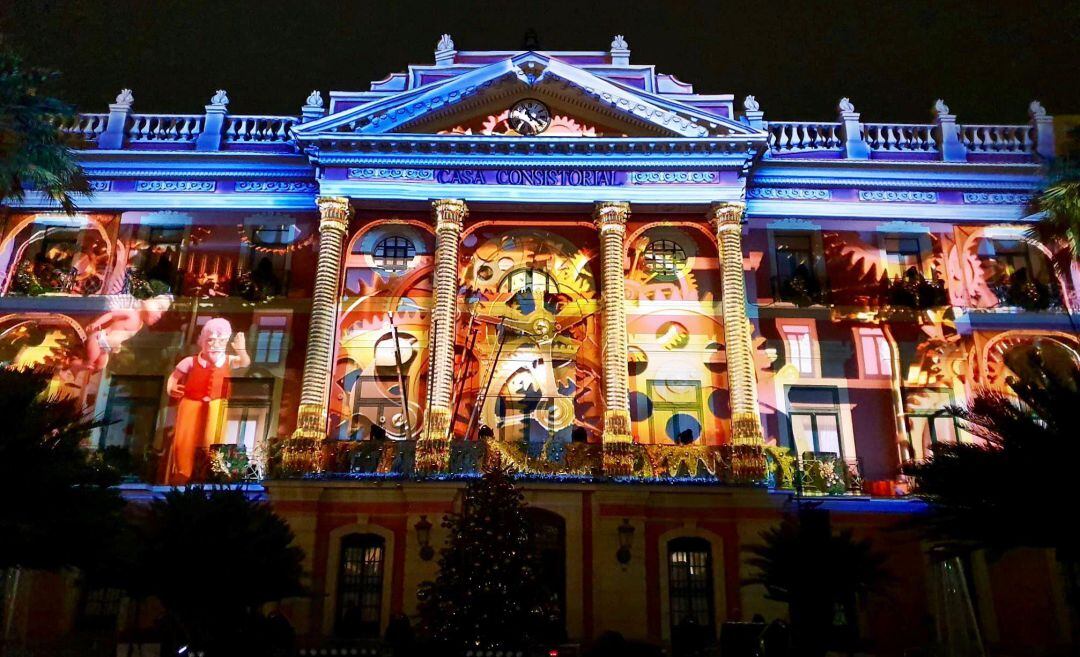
x: 940, y: 107
x: 444, y: 51
x: 846, y: 105
x: 620, y: 51
x: 314, y: 99
x: 750, y: 104
x: 220, y: 98
x: 1036, y: 110
x: 125, y: 98
x: 532, y: 40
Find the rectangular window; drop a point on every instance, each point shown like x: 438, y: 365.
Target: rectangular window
x: 796, y: 279
x: 247, y: 417
x: 131, y: 412
x: 377, y: 408
x: 876, y: 355
x: 815, y: 420
x: 799, y: 346
x: 359, y: 586
x: 676, y: 410
x: 901, y: 254
x: 99, y: 608
x: 690, y: 585
x: 270, y: 340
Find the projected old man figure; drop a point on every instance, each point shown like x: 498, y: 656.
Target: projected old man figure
x: 201, y: 383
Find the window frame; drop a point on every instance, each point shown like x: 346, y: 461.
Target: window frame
x: 688, y: 591
x: 362, y: 542
x: 674, y: 254
x: 397, y: 263
x: 814, y: 411
x: 111, y: 403
x: 882, y: 359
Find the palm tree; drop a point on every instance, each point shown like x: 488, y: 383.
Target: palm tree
x: 819, y: 574
x: 1059, y: 204
x: 57, y: 506
x: 34, y: 151
x: 992, y: 493
x: 212, y: 557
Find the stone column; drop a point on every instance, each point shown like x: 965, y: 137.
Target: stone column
x: 610, y: 217
x: 302, y: 450
x: 746, y: 435
x: 433, y: 449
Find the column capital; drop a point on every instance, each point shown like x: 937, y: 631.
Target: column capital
x: 611, y: 214
x: 726, y: 213
x: 449, y: 211
x: 334, y: 212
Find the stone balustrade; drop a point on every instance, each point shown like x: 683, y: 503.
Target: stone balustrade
x: 798, y: 136
x: 943, y: 139
x: 998, y: 138
x: 898, y: 137
x: 85, y: 126
x: 182, y: 128
x: 214, y: 130
x: 258, y: 129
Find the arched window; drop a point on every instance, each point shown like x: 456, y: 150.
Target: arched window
x: 359, y: 585
x: 529, y: 281
x: 690, y: 587
x: 394, y: 254
x: 664, y: 258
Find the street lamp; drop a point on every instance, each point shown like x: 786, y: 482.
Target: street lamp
x: 423, y: 537
x: 626, y: 539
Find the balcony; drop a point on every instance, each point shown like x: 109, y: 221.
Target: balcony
x: 813, y: 473
x: 1019, y: 291
x: 801, y: 289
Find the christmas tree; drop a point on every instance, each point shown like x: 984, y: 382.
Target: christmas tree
x: 488, y: 593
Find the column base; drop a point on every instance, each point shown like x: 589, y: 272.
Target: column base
x: 618, y: 455
x: 302, y: 452
x: 433, y: 448
x: 747, y: 448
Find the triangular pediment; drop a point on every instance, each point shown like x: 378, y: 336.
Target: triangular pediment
x: 474, y: 102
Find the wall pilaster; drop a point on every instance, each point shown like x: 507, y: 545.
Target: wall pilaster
x: 301, y: 451
x: 746, y: 435
x: 433, y: 449
x: 610, y: 217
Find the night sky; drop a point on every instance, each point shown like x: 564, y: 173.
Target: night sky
x: 986, y: 59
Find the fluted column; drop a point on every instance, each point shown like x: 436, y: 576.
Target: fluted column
x: 610, y: 217
x: 301, y: 452
x: 433, y: 448
x: 746, y: 435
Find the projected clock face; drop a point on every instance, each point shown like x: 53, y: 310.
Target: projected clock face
x: 529, y: 117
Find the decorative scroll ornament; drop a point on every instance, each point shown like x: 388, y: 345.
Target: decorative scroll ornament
x: 983, y: 198
x: 846, y: 105
x: 619, y: 43
x: 125, y: 97
x: 220, y: 98
x: 314, y: 99
x: 889, y: 196
x: 1036, y: 110
x: 175, y: 185
x: 445, y: 44
x: 276, y: 186
x: 789, y: 194
x: 940, y: 107
x: 750, y: 104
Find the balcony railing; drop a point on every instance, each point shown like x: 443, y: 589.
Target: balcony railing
x: 813, y: 473
x: 799, y: 289
x: 1021, y: 292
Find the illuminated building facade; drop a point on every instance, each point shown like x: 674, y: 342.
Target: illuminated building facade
x: 661, y: 309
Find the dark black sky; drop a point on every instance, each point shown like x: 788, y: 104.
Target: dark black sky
x: 893, y: 58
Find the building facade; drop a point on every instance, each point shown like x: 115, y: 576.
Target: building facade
x: 662, y: 310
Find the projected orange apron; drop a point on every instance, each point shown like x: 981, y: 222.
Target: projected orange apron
x: 200, y: 417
